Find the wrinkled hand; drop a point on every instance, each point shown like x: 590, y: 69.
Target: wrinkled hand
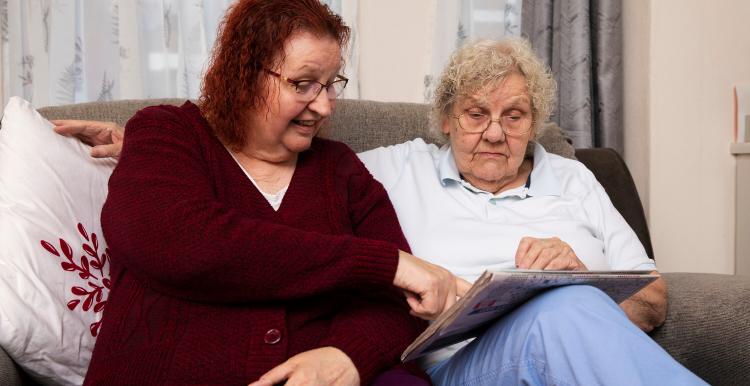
x: 430, y: 289
x: 549, y: 254
x: 105, y: 137
x: 322, y: 366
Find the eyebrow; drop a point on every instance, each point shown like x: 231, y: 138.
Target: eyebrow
x: 520, y: 102
x: 515, y: 102
x: 306, y: 72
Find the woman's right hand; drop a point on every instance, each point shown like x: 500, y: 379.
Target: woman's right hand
x: 105, y: 137
x: 430, y: 289
x: 325, y: 366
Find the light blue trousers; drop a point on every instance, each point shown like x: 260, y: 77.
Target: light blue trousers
x: 574, y: 335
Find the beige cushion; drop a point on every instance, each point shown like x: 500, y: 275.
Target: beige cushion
x: 361, y: 124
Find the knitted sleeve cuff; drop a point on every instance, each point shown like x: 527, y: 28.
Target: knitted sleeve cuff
x: 376, y: 263
x: 368, y: 361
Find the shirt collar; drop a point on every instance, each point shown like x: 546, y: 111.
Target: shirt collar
x: 447, y: 169
x: 542, y: 181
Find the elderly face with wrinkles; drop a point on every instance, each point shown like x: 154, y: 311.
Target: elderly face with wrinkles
x: 489, y: 131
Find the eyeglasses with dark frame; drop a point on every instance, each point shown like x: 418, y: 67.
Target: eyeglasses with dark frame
x: 308, y: 90
x: 475, y: 122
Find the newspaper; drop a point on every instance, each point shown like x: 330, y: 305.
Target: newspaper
x: 496, y: 293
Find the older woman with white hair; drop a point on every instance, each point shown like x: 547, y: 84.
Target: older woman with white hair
x: 492, y: 198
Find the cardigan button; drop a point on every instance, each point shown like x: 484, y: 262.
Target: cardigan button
x: 273, y: 336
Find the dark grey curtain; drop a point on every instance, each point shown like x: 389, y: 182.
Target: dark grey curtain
x: 581, y: 41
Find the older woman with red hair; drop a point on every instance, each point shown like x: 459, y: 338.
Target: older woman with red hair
x: 243, y: 247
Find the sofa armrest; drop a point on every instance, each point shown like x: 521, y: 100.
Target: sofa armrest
x: 8, y: 371
x: 708, y: 325
x: 610, y: 170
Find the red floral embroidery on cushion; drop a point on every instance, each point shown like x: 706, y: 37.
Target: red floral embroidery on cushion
x: 89, y: 268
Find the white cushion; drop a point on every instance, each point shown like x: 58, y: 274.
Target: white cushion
x: 52, y: 284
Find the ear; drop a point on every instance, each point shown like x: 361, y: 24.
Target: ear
x: 533, y: 132
x: 446, y: 125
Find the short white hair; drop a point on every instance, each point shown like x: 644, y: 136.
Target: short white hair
x: 485, y: 62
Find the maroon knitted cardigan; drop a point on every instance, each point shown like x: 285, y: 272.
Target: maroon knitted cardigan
x: 212, y: 286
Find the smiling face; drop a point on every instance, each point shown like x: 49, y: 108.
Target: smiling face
x: 491, y: 160
x: 287, y: 126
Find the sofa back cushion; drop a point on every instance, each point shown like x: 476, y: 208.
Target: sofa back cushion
x: 361, y: 124
x: 54, y: 270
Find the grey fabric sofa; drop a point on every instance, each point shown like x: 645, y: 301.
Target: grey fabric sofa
x: 708, y: 323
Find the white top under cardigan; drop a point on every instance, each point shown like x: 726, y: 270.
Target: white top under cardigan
x: 273, y: 199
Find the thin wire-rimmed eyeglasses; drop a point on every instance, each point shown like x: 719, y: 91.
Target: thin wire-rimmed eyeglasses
x: 307, y: 90
x: 477, y: 122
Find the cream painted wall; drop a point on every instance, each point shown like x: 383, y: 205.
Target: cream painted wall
x: 636, y: 29
x: 2, y: 77
x: 398, y: 36
x: 696, y: 50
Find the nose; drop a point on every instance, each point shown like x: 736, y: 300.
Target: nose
x: 494, y: 132
x: 321, y: 104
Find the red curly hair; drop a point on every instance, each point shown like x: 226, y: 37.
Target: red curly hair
x: 251, y: 39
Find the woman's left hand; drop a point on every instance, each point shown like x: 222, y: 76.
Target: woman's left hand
x: 321, y: 366
x: 104, y: 137
x: 549, y: 254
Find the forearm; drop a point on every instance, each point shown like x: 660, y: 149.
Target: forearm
x: 648, y: 307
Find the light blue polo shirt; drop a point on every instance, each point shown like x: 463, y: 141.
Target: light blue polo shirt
x: 449, y: 222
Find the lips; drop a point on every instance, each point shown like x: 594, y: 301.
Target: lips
x: 305, y: 122
x: 306, y: 126
x: 492, y: 155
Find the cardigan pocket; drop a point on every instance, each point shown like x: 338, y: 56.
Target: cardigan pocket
x: 138, y: 365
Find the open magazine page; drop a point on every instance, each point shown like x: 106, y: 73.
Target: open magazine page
x: 496, y: 293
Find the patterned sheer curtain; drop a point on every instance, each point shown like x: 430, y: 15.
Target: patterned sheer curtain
x: 457, y: 21
x: 69, y: 51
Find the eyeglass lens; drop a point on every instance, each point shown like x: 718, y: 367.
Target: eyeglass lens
x: 479, y: 122
x: 310, y: 89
